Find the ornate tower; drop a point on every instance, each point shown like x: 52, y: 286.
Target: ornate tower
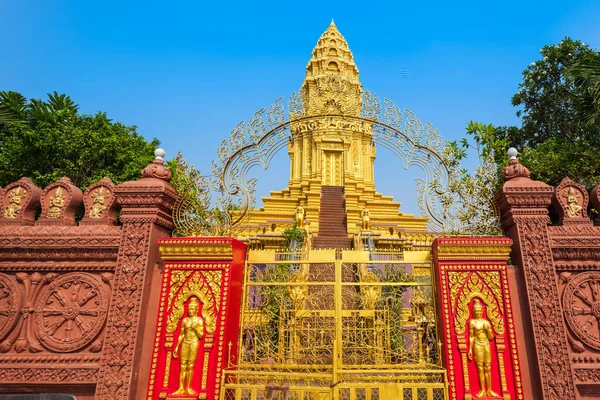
x: 331, y: 145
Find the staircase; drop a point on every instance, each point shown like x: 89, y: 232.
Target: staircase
x: 333, y: 232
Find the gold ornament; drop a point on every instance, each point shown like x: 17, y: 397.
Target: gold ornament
x: 192, y: 331
x: 98, y: 207
x: 16, y: 197
x: 57, y: 202
x: 573, y: 207
x: 480, y: 336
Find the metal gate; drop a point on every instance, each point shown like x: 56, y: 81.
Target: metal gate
x: 330, y: 324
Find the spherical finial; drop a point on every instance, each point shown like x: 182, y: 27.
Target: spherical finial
x: 159, y: 154
x: 512, y: 153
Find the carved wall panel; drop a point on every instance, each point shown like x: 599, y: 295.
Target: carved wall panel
x: 64, y: 287
x: 477, y: 323
x: 52, y: 312
x: 200, y: 301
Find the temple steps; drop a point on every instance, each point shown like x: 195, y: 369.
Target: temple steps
x: 332, y: 218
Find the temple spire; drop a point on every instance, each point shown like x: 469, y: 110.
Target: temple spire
x: 332, y: 67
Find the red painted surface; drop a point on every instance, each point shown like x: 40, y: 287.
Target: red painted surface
x: 221, y: 346
x: 448, y: 310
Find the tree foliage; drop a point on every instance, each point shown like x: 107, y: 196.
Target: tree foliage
x: 48, y: 139
x: 478, y: 212
x: 558, y: 100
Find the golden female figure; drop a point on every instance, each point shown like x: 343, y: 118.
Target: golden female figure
x: 480, y: 336
x: 192, y: 331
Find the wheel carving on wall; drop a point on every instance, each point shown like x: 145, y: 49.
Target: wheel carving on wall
x: 581, y: 304
x: 71, y: 312
x: 10, y: 304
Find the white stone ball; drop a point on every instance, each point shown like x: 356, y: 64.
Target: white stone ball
x: 512, y: 153
x: 160, y: 154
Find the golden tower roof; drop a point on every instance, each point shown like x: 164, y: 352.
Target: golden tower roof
x: 331, y: 85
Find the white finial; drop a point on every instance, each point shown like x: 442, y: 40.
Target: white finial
x: 512, y: 153
x: 159, y: 154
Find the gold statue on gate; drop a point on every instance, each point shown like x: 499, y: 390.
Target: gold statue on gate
x: 573, y: 207
x: 57, y: 202
x: 480, y: 336
x: 15, y: 197
x: 192, y: 331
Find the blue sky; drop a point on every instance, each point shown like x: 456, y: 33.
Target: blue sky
x: 188, y: 72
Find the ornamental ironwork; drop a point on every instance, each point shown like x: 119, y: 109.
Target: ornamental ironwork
x: 453, y: 201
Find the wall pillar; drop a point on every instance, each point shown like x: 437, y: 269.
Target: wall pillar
x: 540, y: 332
x: 146, y: 217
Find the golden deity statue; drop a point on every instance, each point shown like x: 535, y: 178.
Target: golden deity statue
x: 480, y: 336
x: 57, y: 202
x: 14, y: 207
x: 366, y: 219
x: 300, y: 216
x: 98, y: 207
x: 573, y: 207
x: 192, y: 331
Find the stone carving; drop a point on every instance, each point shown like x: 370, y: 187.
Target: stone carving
x: 571, y: 201
x: 98, y: 208
x: 587, y: 375
x: 71, y: 312
x: 57, y: 202
x: 10, y: 304
x: 523, y: 203
x: 146, y: 207
x: 573, y: 208
x: 581, y: 303
x: 545, y: 310
x: 60, y: 201
x: 15, y: 198
x: 48, y: 375
x: 333, y: 94
x: 122, y: 323
x: 22, y: 337
x: 21, y: 201
x: 100, y: 203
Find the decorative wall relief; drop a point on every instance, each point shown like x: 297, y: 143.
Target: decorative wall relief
x: 100, y: 203
x: 60, y: 201
x: 571, y: 201
x: 477, y: 318
x: 198, y: 321
x: 10, y: 304
x: 20, y: 201
x: 70, y: 312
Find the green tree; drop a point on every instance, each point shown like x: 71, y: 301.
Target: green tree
x: 586, y: 75
x: 46, y: 140
x: 560, y: 132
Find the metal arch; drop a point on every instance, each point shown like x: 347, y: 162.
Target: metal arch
x: 257, y: 141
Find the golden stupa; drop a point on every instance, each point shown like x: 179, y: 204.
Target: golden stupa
x: 331, y: 191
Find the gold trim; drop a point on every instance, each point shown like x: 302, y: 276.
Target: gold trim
x: 473, y: 252
x: 196, y: 251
